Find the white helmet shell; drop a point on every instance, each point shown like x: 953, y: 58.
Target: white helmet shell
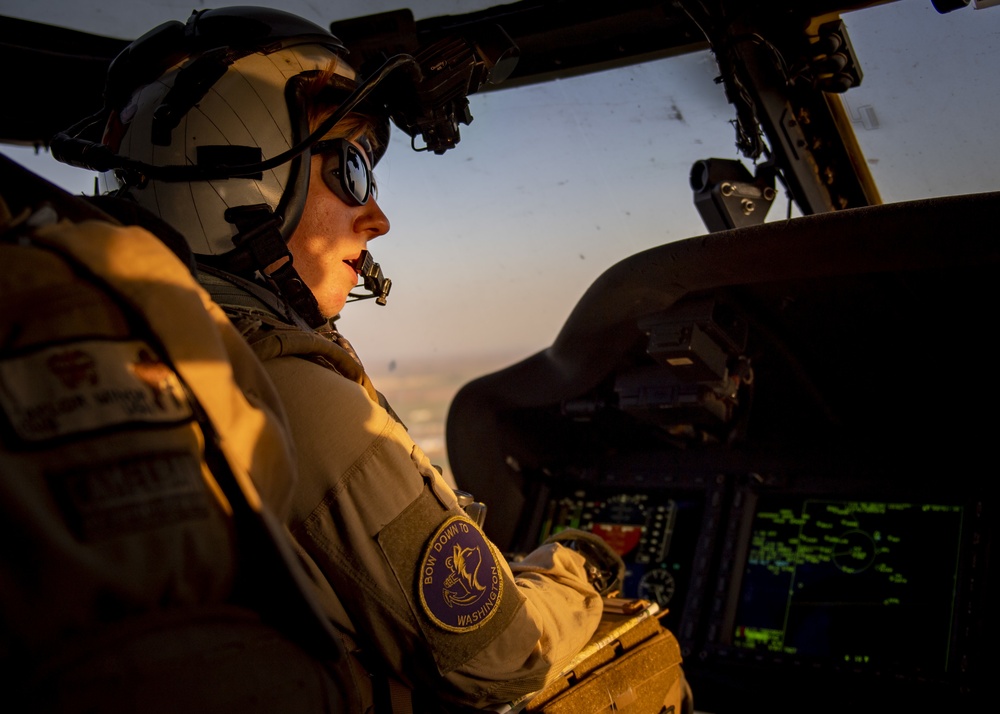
x: 246, y: 107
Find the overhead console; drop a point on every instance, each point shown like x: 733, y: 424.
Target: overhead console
x: 786, y: 432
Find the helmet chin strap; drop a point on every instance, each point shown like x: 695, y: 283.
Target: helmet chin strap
x: 298, y: 295
x: 259, y: 244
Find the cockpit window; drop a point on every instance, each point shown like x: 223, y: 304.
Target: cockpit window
x: 494, y: 242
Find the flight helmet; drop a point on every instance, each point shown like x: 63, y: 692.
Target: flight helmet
x: 205, y: 126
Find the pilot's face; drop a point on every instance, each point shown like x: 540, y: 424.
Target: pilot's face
x: 329, y: 233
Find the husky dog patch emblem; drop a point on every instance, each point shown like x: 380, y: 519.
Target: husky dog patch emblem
x: 460, y: 579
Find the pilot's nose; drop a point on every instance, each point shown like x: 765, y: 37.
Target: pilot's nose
x: 371, y: 220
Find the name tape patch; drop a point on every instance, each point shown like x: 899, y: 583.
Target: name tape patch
x: 132, y: 496
x: 461, y: 584
x: 89, y: 385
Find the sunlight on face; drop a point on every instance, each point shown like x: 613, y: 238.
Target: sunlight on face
x: 330, y: 236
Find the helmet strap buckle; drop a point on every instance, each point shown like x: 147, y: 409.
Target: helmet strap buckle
x: 259, y: 245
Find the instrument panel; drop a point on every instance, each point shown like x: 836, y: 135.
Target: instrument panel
x: 656, y: 536
x: 776, y: 430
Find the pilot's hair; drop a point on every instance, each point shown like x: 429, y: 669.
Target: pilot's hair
x: 322, y: 96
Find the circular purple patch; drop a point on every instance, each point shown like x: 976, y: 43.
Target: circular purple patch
x: 460, y: 580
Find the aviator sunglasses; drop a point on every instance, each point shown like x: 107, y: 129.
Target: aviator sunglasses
x: 345, y: 170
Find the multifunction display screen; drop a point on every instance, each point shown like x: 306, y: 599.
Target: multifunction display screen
x: 862, y: 583
x: 656, y: 535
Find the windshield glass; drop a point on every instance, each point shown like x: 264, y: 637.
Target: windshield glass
x: 494, y: 242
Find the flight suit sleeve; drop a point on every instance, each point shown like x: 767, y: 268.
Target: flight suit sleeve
x: 560, y: 606
x: 420, y: 582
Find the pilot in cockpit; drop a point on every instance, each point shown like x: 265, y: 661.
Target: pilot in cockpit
x: 250, y: 135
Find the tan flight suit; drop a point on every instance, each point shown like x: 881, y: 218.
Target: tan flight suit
x: 399, y: 564
x: 119, y: 547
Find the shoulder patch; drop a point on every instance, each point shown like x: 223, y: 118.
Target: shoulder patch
x: 461, y: 585
x: 88, y: 385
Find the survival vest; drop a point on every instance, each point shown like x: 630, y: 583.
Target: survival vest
x: 140, y: 568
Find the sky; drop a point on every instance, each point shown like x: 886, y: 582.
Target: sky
x: 494, y: 242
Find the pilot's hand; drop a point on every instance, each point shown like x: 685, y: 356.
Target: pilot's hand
x: 605, y: 568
